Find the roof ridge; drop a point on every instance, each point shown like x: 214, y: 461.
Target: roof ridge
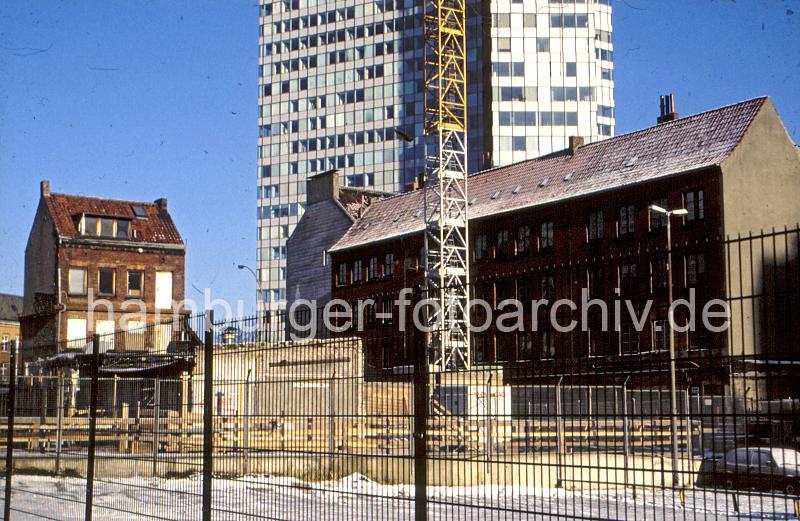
x: 98, y: 198
x: 682, y: 120
x: 714, y: 134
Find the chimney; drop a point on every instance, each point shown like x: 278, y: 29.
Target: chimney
x: 44, y: 188
x: 667, y: 105
x: 322, y: 187
x: 574, y: 143
x: 161, y: 204
x: 416, y: 183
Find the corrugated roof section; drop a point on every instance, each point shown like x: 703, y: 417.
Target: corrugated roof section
x: 690, y: 143
x: 157, y: 227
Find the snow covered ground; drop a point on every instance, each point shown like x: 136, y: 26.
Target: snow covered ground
x: 355, y: 497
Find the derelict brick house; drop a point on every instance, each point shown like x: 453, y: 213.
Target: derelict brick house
x: 85, y: 248
x: 579, y: 219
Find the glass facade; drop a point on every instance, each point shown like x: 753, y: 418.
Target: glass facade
x: 341, y: 86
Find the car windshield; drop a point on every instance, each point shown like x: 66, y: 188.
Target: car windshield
x: 786, y: 457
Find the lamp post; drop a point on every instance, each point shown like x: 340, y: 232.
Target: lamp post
x: 248, y: 268
x: 673, y: 399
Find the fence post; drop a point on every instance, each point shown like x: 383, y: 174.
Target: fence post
x: 626, y: 442
x: 95, y: 365
x: 488, y: 426
x: 59, y: 419
x: 689, y: 432
x: 12, y: 384
x: 156, y: 421
x: 559, y: 433
x: 246, y: 441
x: 331, y: 420
x: 420, y: 431
x: 208, y: 414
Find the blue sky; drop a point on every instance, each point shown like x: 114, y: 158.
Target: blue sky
x: 139, y: 100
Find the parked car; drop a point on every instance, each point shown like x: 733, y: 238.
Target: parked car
x: 759, y: 468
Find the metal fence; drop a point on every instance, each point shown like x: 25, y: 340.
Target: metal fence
x: 227, y: 420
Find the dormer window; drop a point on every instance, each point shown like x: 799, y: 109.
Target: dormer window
x: 110, y: 227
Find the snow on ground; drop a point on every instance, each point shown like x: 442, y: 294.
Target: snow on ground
x: 355, y: 497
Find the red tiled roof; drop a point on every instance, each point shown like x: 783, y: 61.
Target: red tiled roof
x: 686, y: 144
x: 156, y: 228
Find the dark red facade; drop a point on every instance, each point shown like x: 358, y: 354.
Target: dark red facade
x: 557, y: 251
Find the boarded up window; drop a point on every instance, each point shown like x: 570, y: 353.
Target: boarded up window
x: 163, y: 290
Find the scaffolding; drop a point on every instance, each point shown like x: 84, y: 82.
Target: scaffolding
x: 446, y: 240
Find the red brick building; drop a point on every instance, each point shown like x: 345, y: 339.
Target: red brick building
x: 83, y: 249
x: 579, y: 220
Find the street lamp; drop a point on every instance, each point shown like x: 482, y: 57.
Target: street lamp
x: 248, y: 268
x: 673, y: 400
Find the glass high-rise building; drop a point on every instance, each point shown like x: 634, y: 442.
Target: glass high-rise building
x: 341, y: 86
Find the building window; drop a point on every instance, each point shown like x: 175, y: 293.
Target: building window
x: 627, y: 278
x: 105, y: 281
x: 627, y: 220
x: 695, y: 268
x: 104, y: 227
x: 548, y: 345
x: 342, y: 278
x: 595, y: 226
x: 357, y: 271
x: 479, y: 347
x: 658, y: 275
x: 123, y: 229
x: 546, y: 235
x: 660, y: 330
x: 543, y: 44
x: 571, y: 69
x: 481, y: 246
x: 135, y: 283
x: 388, y: 265
x: 594, y: 281
x: 548, y: 287
x: 502, y: 243
x: 104, y: 329
x: 77, y: 281
x: 76, y: 332
x: 164, y: 289
x: 658, y: 219
x: 523, y: 240
x: 695, y: 205
x: 524, y: 346
x: 386, y: 312
x: 372, y: 268
x: 629, y: 338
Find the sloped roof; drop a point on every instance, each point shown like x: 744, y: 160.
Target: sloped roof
x: 157, y: 227
x: 10, y: 307
x: 683, y: 145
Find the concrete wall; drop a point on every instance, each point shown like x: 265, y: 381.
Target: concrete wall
x: 285, y: 379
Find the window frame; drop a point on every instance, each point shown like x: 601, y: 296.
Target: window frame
x: 100, y: 291
x: 626, y: 226
x: 138, y: 293
x: 595, y: 226
x: 70, y: 271
x: 546, y: 235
